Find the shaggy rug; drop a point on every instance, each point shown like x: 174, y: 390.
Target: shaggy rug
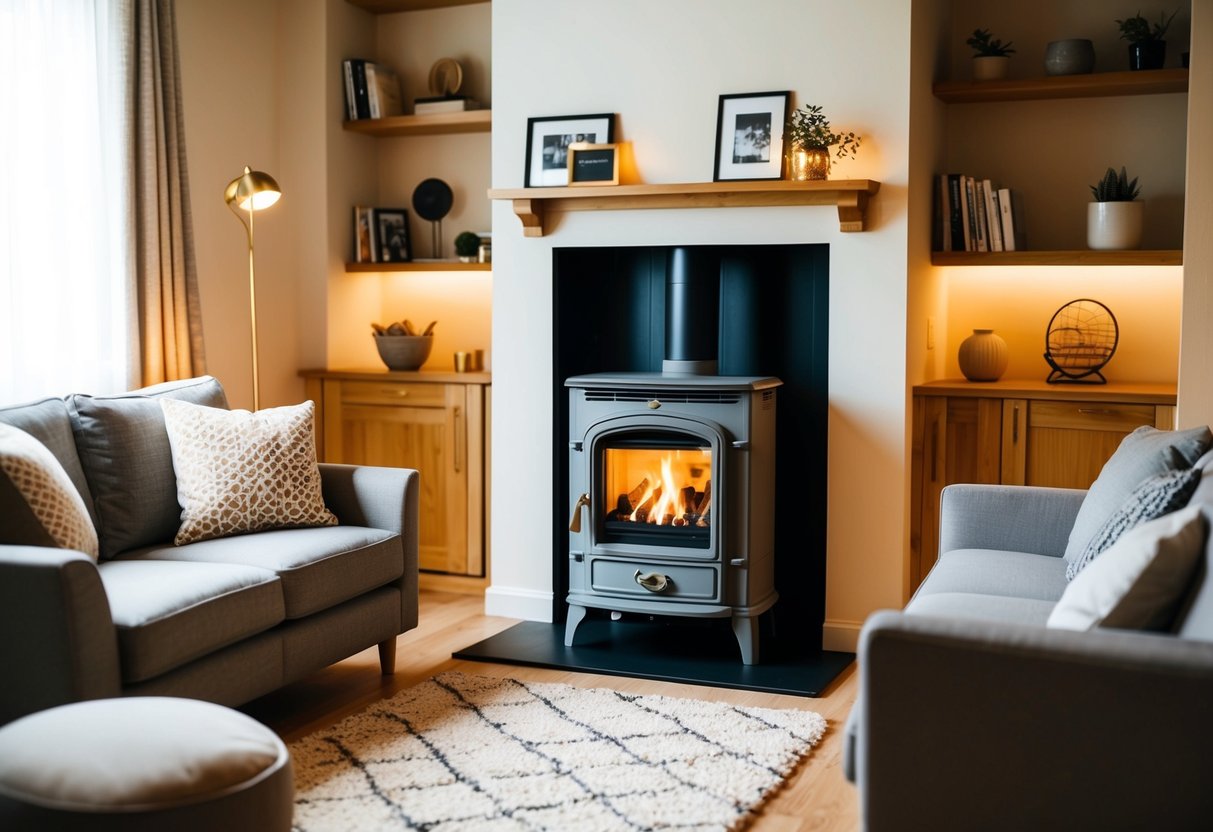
x: 484, y: 754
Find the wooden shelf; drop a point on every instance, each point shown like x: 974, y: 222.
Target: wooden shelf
x: 1078, y: 257
x: 422, y: 266
x: 392, y: 6
x: 849, y: 195
x: 1134, y: 392
x: 1096, y: 85
x: 435, y: 124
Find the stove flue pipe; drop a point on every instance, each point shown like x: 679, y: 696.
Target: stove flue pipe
x: 692, y: 312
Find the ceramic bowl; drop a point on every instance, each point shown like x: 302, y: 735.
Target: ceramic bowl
x: 1075, y: 56
x: 404, y: 352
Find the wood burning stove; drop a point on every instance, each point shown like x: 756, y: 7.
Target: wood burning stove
x: 672, y: 477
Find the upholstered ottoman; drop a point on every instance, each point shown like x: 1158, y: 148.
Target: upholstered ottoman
x: 143, y: 763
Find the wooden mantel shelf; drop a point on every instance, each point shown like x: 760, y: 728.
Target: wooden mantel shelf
x: 849, y: 195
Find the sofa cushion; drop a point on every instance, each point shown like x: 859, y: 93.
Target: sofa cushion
x: 1155, y: 497
x: 996, y: 572
x: 240, y: 472
x: 1002, y: 609
x: 126, y: 457
x: 38, y: 502
x: 168, y: 614
x: 1137, y: 583
x: 48, y: 421
x: 1144, y: 453
x: 318, y: 567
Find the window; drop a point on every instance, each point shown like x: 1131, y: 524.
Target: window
x: 65, y: 285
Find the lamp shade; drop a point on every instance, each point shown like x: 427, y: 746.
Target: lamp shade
x: 252, y: 191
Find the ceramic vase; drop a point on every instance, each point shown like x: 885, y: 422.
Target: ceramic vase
x: 1147, y: 54
x: 983, y: 356
x: 990, y: 67
x: 1114, y: 226
x: 1074, y: 56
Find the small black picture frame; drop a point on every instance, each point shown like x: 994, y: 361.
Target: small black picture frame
x: 593, y: 164
x: 392, y: 235
x: 749, y: 135
x: 547, y: 145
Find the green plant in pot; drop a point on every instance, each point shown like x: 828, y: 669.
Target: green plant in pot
x: 991, y: 57
x: 1147, y: 49
x: 467, y: 246
x: 1114, y: 219
x: 809, y: 141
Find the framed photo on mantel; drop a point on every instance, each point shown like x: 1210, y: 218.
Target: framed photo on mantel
x: 593, y: 164
x: 749, y: 135
x: 547, y: 145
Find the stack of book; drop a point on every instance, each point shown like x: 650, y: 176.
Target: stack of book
x: 444, y: 104
x: 371, y: 90
x: 975, y: 215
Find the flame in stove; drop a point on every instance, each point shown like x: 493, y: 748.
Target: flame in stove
x: 662, y: 487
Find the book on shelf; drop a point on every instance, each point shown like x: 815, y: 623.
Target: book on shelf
x: 956, y: 218
x: 364, y: 235
x: 383, y: 91
x: 351, y: 100
x: 357, y: 100
x: 993, y: 218
x: 444, y: 104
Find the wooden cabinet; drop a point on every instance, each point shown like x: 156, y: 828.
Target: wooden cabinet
x: 432, y: 421
x: 1017, y: 433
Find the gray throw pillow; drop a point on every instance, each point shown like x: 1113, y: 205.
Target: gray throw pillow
x: 125, y: 453
x: 1155, y: 497
x: 1144, y: 453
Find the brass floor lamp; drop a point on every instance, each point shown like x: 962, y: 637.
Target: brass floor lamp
x: 250, y: 192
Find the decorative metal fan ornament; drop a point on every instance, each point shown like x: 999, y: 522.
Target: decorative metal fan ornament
x: 1081, y: 339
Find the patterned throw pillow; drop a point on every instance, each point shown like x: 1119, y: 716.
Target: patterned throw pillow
x: 243, y: 472
x: 45, y: 509
x: 1158, y: 495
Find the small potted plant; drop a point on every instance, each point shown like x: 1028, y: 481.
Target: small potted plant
x: 467, y: 246
x: 1147, y: 49
x: 809, y: 141
x: 991, y: 56
x: 1114, y: 219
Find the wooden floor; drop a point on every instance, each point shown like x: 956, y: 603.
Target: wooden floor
x: 817, y: 797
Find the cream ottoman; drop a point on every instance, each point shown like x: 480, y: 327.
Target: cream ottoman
x: 143, y: 763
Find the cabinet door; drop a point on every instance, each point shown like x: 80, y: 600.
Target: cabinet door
x: 959, y: 440
x: 1064, y: 444
x: 406, y: 425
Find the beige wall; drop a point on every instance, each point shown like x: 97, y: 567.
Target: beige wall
x: 665, y: 85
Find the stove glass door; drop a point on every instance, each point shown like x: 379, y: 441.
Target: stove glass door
x: 657, y: 490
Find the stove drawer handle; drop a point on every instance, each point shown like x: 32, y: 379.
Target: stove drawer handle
x: 653, y: 582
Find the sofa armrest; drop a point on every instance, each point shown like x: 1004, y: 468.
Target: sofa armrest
x: 1019, y: 518
x: 380, y: 498
x: 57, y: 639
x: 970, y: 724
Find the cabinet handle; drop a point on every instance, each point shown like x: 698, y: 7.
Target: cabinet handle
x: 1015, y: 425
x: 1097, y: 411
x: 460, y: 440
x: 394, y: 391
x: 934, y: 450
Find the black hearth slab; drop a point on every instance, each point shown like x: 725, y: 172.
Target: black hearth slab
x: 628, y: 648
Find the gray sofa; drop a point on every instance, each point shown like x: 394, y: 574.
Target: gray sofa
x: 973, y: 714
x: 225, y: 620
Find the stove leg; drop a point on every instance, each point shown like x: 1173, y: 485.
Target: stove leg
x: 745, y: 629
x: 576, y: 616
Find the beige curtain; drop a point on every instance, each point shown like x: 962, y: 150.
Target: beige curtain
x: 168, y: 310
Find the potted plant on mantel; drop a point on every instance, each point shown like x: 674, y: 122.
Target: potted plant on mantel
x: 1114, y: 219
x: 809, y: 141
x: 992, y: 56
x: 467, y: 246
x: 1147, y: 49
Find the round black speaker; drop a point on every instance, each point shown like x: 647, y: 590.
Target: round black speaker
x: 432, y: 199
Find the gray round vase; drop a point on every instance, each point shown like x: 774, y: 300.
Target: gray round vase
x: 983, y: 356
x: 1075, y: 56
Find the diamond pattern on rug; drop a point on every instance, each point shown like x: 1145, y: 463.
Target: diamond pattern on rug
x: 463, y: 753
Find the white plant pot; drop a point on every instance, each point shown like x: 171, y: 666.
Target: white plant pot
x: 1114, y: 226
x: 990, y: 67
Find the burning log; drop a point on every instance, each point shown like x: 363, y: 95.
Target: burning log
x: 705, y: 500
x: 637, y: 494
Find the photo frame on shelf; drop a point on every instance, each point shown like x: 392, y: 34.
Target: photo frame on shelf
x: 392, y: 235
x: 749, y: 135
x: 364, y: 234
x: 547, y: 145
x: 593, y: 164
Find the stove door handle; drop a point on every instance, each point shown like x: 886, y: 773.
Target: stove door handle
x: 575, y: 520
x: 653, y: 582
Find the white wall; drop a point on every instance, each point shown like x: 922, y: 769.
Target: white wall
x: 661, y: 67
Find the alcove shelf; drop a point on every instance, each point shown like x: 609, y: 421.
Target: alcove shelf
x: 1093, y: 85
x: 433, y: 124
x: 1079, y: 257
x: 421, y: 266
x: 850, y: 196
